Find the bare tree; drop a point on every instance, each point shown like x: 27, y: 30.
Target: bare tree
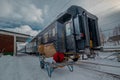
x: 116, y: 34
x: 102, y: 37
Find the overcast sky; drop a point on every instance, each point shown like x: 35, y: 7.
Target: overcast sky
x: 29, y: 16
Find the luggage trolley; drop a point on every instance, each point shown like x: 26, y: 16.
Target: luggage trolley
x: 49, y: 67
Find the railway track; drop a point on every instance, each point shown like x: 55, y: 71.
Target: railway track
x: 98, y: 64
x: 81, y: 64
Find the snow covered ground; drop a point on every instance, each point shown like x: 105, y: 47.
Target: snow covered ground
x: 102, y: 65
x: 27, y: 68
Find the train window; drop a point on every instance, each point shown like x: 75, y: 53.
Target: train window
x: 53, y: 32
x: 50, y: 33
x: 39, y: 40
x: 46, y: 37
x: 76, y: 25
x: 34, y: 43
x: 68, y: 29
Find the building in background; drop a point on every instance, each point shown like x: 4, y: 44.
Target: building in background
x: 8, y: 41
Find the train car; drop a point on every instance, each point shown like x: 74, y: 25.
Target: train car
x: 31, y: 47
x: 72, y: 32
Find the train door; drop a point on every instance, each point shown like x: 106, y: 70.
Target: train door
x: 86, y: 31
x: 93, y: 32
x: 79, y: 33
x: 69, y: 37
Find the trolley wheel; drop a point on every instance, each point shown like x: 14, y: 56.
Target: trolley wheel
x: 49, y: 73
x: 42, y: 64
x: 70, y: 67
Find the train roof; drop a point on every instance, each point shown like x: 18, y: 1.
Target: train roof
x: 73, y: 10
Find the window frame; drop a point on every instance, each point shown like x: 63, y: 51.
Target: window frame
x: 46, y: 37
x: 70, y: 30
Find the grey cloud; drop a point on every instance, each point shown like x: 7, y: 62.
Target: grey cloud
x: 20, y: 9
x: 42, y: 12
x: 25, y: 29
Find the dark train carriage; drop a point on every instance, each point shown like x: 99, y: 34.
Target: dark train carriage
x: 72, y: 31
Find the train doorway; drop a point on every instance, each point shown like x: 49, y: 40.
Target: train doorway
x: 92, y: 32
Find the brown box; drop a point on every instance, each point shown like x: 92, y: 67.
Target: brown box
x: 48, y: 50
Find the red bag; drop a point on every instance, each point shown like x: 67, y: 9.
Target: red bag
x: 58, y: 57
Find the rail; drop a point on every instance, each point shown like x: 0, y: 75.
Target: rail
x: 98, y: 64
x: 79, y: 63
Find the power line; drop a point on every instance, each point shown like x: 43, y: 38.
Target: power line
x: 111, y: 8
x: 112, y: 22
x: 62, y: 7
x: 57, y: 12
